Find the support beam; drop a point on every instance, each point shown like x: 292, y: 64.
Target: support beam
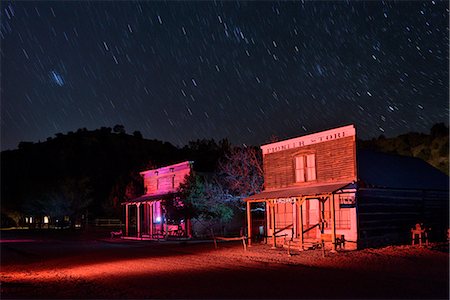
x: 333, y: 224
x: 300, y: 222
x: 268, y: 227
x: 165, y: 224
x: 249, y: 224
x: 150, y: 229
x: 274, y: 239
x: 322, y: 214
x: 138, y: 219
x: 126, y: 219
x: 188, y: 225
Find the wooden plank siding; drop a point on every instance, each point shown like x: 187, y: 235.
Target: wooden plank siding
x: 159, y: 181
x: 335, y: 162
x: 386, y: 216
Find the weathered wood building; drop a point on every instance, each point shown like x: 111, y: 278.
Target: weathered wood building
x: 154, y: 214
x: 320, y: 187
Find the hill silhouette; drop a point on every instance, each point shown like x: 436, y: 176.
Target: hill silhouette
x: 432, y: 148
x: 96, y: 170
x: 101, y: 162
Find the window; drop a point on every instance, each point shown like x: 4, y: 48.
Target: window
x: 342, y: 215
x: 305, y: 168
x: 173, y: 181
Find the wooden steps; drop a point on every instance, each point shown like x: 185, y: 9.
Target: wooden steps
x: 307, y: 244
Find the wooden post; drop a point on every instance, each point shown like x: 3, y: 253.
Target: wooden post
x: 249, y: 223
x: 274, y: 239
x: 322, y: 214
x: 138, y: 219
x: 300, y: 221
x: 126, y: 219
x: 165, y: 225
x: 333, y: 224
x: 267, y: 212
x: 188, y: 225
x: 151, y: 219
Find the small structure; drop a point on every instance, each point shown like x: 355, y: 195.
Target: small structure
x: 420, y: 232
x: 320, y: 189
x: 155, y: 215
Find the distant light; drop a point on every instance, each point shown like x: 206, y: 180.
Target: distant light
x: 45, y: 220
x: 57, y: 78
x: 158, y: 219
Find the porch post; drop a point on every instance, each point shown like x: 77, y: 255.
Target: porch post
x: 322, y: 214
x: 249, y: 224
x: 150, y: 231
x: 138, y: 219
x: 333, y: 224
x: 165, y: 224
x: 126, y: 219
x: 300, y: 221
x: 188, y: 225
x: 274, y: 239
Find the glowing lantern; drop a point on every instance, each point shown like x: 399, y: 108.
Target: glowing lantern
x: 45, y: 220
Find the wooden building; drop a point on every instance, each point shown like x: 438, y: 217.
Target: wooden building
x: 155, y: 215
x: 319, y: 187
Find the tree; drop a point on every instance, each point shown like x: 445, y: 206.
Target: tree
x: 137, y: 134
x: 206, y: 200
x: 125, y: 188
x: 439, y: 129
x: 119, y: 129
x: 69, y: 197
x: 241, y: 171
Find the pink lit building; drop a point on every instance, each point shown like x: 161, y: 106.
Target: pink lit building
x: 156, y: 214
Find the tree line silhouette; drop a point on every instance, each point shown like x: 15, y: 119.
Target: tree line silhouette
x: 90, y: 172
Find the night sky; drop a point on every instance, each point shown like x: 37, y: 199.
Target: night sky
x: 247, y: 71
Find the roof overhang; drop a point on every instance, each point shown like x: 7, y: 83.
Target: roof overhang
x: 310, y: 191
x: 150, y: 198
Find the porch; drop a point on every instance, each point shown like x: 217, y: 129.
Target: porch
x: 305, y: 217
x: 156, y: 217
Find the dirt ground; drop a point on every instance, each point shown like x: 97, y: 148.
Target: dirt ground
x: 71, y: 266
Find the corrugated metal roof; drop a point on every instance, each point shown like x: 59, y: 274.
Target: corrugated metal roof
x: 298, y: 191
x: 384, y: 170
x: 144, y: 198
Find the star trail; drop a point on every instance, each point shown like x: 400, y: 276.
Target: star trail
x: 246, y: 71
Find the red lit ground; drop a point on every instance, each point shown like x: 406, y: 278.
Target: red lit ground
x: 93, y: 268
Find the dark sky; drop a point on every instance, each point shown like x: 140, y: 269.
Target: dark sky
x: 178, y: 71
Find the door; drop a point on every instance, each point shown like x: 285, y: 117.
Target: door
x: 311, y: 210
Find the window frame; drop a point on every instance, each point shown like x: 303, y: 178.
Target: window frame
x: 306, y: 170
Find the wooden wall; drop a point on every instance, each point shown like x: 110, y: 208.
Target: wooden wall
x: 335, y: 162
x: 387, y: 216
x: 159, y: 181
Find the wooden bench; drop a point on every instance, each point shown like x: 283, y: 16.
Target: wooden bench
x: 219, y: 238
x: 116, y: 234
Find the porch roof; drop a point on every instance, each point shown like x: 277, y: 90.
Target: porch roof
x: 313, y: 190
x: 153, y: 197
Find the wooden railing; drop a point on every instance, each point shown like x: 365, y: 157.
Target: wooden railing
x: 282, y: 229
x: 310, y: 228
